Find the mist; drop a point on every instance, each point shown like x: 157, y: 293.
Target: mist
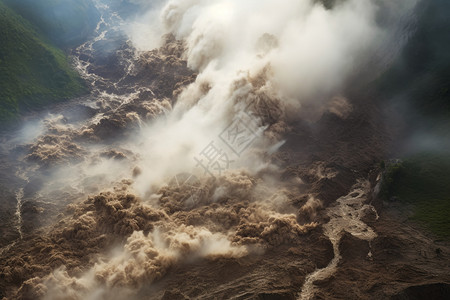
x: 167, y: 175
x: 255, y: 54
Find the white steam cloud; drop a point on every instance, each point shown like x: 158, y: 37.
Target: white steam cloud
x: 310, y: 49
x: 287, y: 54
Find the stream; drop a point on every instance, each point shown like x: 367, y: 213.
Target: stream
x: 345, y: 216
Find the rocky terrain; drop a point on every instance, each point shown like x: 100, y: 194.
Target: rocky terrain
x: 83, y: 217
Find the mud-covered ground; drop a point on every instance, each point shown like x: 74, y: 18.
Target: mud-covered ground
x: 307, y: 225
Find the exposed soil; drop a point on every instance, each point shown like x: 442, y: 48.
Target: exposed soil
x: 320, y: 162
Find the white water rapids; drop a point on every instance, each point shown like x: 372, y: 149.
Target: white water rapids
x: 345, y: 216
x: 19, y: 197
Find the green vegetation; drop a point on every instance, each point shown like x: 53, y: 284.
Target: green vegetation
x: 418, y: 85
x: 33, y: 73
x: 392, y: 173
x: 422, y: 180
x: 67, y: 23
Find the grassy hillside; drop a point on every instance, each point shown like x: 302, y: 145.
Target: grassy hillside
x: 67, y: 23
x: 419, y: 81
x: 32, y: 72
x: 422, y: 180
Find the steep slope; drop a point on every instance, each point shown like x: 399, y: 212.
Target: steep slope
x: 421, y: 74
x: 32, y: 71
x: 417, y: 91
x: 67, y: 23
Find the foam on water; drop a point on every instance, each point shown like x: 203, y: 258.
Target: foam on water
x: 19, y: 197
x: 345, y: 216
